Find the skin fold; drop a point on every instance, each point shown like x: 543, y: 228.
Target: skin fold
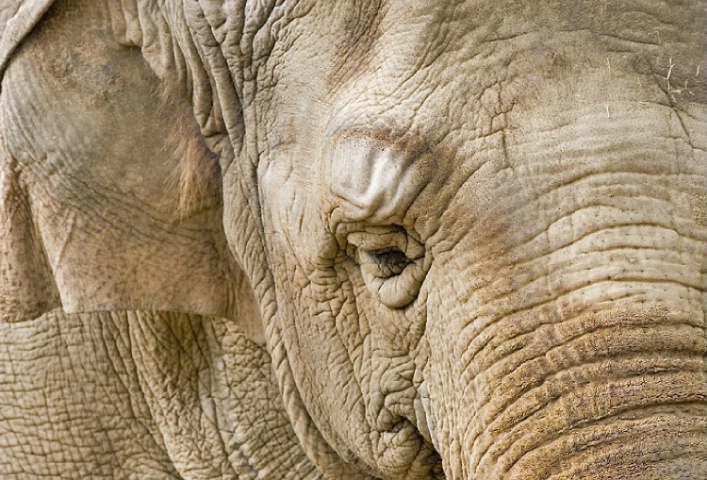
x: 357, y: 239
x: 131, y: 345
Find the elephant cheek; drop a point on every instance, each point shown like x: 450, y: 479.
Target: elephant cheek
x: 606, y: 388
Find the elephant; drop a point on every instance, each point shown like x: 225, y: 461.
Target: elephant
x: 366, y: 239
x: 129, y: 347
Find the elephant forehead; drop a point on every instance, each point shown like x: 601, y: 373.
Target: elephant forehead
x: 375, y: 180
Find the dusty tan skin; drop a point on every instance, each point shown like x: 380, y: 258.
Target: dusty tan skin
x: 127, y: 347
x: 474, y: 233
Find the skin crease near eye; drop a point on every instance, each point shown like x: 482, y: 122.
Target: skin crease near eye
x: 393, y: 265
x: 390, y: 258
x: 375, y: 182
x: 389, y: 262
x: 373, y: 243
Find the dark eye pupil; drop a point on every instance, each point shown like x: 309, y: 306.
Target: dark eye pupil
x: 390, y: 258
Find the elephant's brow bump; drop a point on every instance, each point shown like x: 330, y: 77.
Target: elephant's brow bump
x: 375, y: 178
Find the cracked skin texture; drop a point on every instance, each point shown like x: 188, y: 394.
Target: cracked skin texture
x: 124, y: 351
x: 136, y: 394
x: 470, y: 238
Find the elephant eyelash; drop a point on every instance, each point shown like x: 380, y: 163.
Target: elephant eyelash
x: 390, y: 261
x: 383, y: 254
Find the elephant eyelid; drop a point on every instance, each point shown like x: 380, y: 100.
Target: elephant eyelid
x: 390, y: 256
x: 392, y: 262
x: 378, y: 243
x: 388, y: 262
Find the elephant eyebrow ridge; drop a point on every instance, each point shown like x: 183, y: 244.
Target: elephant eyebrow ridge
x: 377, y: 180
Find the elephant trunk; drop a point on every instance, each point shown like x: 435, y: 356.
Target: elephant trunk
x: 602, y: 378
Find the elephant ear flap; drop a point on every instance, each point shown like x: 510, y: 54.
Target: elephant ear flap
x: 247, y: 311
x: 27, y: 287
x: 17, y: 18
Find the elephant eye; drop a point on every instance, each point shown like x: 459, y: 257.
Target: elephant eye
x: 389, y: 262
x: 392, y: 264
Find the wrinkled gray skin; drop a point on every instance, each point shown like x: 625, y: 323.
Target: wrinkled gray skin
x: 127, y: 347
x: 471, y: 237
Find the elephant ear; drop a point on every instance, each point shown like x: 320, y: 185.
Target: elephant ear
x: 184, y: 49
x: 26, y: 284
x: 17, y: 19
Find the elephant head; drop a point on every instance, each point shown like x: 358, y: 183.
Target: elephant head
x: 484, y: 231
x: 475, y: 230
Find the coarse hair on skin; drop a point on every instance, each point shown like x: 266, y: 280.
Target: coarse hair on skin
x: 193, y: 186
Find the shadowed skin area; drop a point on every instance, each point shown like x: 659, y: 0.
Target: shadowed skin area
x: 470, y: 235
